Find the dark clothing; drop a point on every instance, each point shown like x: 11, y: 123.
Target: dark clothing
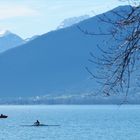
x: 37, y: 123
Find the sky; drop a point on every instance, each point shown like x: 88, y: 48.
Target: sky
x: 35, y: 17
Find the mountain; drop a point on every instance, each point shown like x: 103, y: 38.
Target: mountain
x: 54, y: 63
x: 31, y: 38
x: 70, y: 21
x: 9, y: 40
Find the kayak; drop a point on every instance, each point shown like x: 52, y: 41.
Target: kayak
x: 39, y: 125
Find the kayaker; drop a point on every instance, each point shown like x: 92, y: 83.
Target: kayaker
x: 37, y: 123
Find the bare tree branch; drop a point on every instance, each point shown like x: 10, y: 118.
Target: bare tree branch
x: 119, y: 61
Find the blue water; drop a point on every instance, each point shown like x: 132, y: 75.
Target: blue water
x: 97, y: 122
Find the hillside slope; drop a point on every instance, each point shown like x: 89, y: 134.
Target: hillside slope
x: 53, y: 63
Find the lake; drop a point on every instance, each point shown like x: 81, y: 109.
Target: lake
x: 77, y: 122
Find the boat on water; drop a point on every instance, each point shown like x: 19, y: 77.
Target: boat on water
x: 3, y: 116
x: 37, y: 123
x: 33, y: 125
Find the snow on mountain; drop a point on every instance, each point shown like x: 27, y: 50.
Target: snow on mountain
x: 54, y: 63
x: 4, y: 33
x: 9, y: 40
x: 31, y: 38
x: 70, y: 21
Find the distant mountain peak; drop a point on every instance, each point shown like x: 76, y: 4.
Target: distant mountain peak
x: 71, y: 21
x: 9, y: 40
x: 4, y: 33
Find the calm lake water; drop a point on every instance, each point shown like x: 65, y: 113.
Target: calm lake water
x: 94, y: 122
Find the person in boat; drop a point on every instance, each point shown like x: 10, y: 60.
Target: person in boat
x: 2, y: 115
x: 37, y: 123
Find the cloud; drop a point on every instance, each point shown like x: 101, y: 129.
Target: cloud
x: 11, y: 11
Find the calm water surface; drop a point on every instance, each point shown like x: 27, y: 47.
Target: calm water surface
x: 97, y: 122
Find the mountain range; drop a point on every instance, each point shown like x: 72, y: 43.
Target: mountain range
x: 54, y: 63
x: 10, y: 40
